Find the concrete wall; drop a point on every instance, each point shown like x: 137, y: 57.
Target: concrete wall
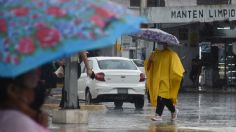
x: 125, y: 53
x: 126, y: 3
x: 233, y: 1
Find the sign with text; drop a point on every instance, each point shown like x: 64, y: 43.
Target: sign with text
x: 204, y: 13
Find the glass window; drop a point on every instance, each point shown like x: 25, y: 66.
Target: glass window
x: 213, y: 2
x: 155, y: 3
x: 117, y: 64
x: 139, y: 63
x: 135, y: 3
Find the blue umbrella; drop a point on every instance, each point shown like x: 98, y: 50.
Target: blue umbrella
x: 34, y: 32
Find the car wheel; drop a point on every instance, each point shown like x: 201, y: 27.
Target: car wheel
x: 139, y: 102
x: 118, y: 104
x: 88, y: 97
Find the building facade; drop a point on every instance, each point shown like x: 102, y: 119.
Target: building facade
x: 205, y: 28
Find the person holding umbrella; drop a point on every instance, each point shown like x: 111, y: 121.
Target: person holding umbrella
x: 165, y: 72
x: 16, y: 96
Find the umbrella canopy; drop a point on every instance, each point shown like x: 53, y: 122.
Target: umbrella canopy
x: 34, y: 32
x: 155, y: 35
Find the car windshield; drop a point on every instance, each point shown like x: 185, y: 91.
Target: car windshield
x: 139, y: 63
x: 116, y: 64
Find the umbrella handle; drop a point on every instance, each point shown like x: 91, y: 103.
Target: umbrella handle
x: 154, y: 46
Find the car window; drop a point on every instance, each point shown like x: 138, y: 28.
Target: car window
x: 116, y: 64
x: 139, y: 63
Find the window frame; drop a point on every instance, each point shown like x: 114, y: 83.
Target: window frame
x: 153, y: 3
x: 134, y: 6
x: 156, y: 3
x: 213, y: 2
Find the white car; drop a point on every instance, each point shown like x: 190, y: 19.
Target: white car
x: 117, y: 80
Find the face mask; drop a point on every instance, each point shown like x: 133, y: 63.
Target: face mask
x: 160, y: 47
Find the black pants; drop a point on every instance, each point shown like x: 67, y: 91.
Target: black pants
x: 161, y: 103
x: 194, y: 77
x: 62, y: 97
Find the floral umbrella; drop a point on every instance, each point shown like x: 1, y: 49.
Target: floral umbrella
x: 34, y: 32
x: 155, y: 35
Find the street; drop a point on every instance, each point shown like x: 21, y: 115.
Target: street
x: 206, y: 112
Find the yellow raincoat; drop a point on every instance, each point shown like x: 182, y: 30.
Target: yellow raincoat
x: 164, y: 75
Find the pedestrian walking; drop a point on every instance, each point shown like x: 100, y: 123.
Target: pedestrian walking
x: 196, y: 68
x: 165, y: 72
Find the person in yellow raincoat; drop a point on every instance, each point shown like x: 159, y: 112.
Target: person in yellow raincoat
x: 164, y: 72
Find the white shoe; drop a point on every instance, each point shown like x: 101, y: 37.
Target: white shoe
x: 174, y: 115
x: 157, y: 118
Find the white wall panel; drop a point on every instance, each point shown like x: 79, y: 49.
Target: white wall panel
x: 233, y: 1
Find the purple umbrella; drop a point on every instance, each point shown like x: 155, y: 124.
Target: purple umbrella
x: 155, y: 35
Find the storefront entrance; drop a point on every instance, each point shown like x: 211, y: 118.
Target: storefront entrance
x: 219, y: 65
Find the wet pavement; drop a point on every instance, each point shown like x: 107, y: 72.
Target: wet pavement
x: 205, y: 112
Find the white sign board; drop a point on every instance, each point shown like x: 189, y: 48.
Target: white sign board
x: 126, y: 39
x: 185, y: 14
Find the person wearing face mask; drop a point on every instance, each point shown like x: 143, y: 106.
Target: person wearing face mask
x: 164, y: 73
x: 16, y: 96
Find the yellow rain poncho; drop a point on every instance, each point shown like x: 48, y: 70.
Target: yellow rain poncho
x: 164, y: 75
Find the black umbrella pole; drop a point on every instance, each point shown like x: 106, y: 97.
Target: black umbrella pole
x: 154, y: 46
